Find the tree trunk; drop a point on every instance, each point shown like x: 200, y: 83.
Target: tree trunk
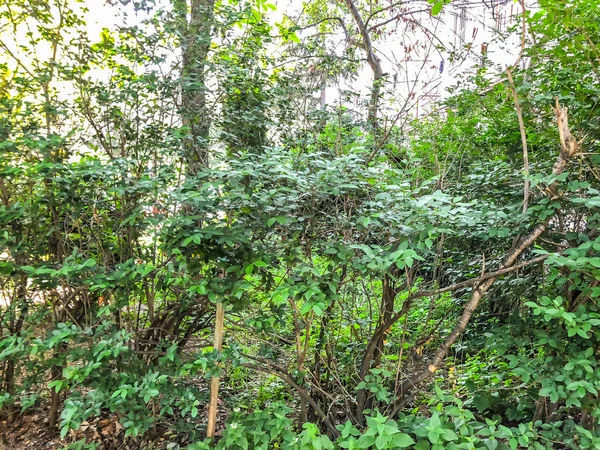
x: 374, y: 350
x: 195, y: 35
x: 374, y: 63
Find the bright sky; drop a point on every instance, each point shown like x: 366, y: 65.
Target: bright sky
x: 431, y: 66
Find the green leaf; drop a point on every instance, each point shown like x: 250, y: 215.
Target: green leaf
x: 434, y: 436
x: 481, y: 402
x: 402, y: 440
x: 435, y: 421
x: 294, y: 38
x: 545, y: 392
x: 64, y: 431
x: 56, y: 384
x: 450, y: 435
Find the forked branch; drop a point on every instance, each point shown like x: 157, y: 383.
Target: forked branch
x: 569, y: 147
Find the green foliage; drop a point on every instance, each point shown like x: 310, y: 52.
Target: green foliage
x: 345, y: 256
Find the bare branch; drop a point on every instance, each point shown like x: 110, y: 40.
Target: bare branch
x: 511, y: 85
x: 338, y: 19
x: 303, y: 393
x: 569, y: 146
x: 373, y: 61
x: 396, y: 17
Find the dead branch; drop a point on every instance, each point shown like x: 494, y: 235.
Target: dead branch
x: 569, y: 147
x: 511, y: 85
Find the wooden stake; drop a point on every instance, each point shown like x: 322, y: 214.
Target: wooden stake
x: 214, y: 382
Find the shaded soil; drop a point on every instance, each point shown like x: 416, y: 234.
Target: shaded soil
x: 31, y: 432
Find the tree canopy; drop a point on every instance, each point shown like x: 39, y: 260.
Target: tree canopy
x: 200, y: 248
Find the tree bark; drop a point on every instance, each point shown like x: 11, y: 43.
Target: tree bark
x: 569, y: 147
x: 373, y: 61
x: 374, y: 351
x: 15, y: 330
x: 195, y: 36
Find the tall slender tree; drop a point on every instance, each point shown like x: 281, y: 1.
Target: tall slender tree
x: 195, y: 21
